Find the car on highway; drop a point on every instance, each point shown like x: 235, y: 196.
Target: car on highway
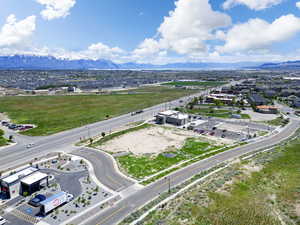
x: 30, y: 145
x: 37, y: 200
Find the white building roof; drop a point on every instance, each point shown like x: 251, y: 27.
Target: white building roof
x: 19, y: 175
x: 37, y: 176
x: 168, y: 113
x: 181, y: 116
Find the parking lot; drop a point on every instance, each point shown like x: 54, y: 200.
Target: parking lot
x: 227, y: 129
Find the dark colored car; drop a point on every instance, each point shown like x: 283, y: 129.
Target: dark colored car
x: 37, y: 200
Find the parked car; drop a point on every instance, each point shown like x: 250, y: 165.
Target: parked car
x: 37, y: 200
x: 223, y: 136
x: 2, y: 220
x: 212, y: 134
x: 4, y: 123
x: 12, y: 126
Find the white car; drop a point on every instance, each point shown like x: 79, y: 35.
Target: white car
x: 70, y: 197
x: 2, y: 220
x: 29, y: 146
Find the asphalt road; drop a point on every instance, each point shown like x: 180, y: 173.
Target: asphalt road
x: 104, y: 169
x: 128, y: 205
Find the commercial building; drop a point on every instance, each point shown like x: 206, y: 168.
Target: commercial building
x: 267, y: 109
x: 26, y: 181
x: 172, y: 117
x: 33, y: 183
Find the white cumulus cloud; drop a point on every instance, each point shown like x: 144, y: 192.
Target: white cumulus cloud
x: 258, y: 33
x: 252, y: 4
x: 100, y: 50
x: 298, y: 5
x: 14, y: 32
x: 56, y: 8
x: 186, y: 28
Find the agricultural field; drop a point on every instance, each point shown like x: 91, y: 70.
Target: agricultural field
x: 263, y: 190
x: 54, y: 114
x: 214, y: 112
x: 195, y: 83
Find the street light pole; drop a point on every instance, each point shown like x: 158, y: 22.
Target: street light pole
x: 169, y: 184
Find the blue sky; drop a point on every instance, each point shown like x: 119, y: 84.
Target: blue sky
x: 145, y: 31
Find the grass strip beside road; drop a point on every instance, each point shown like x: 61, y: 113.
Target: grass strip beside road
x: 53, y: 114
x: 190, y: 162
x: 3, y: 140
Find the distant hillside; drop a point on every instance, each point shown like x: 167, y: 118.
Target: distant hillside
x: 52, y: 63
x: 25, y: 62
x: 282, y: 65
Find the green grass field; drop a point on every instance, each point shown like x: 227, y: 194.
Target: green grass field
x: 196, y: 83
x: 143, y: 166
x: 54, y: 114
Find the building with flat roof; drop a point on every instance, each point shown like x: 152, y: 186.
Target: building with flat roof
x: 172, y: 117
x: 33, y: 183
x: 17, y: 183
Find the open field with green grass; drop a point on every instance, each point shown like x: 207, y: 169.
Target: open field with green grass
x: 263, y: 190
x: 54, y: 114
x: 196, y: 83
x: 146, y: 165
x: 212, y: 112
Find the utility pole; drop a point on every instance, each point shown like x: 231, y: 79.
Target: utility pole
x: 169, y: 183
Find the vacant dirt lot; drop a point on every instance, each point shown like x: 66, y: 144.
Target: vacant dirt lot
x: 151, y: 140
